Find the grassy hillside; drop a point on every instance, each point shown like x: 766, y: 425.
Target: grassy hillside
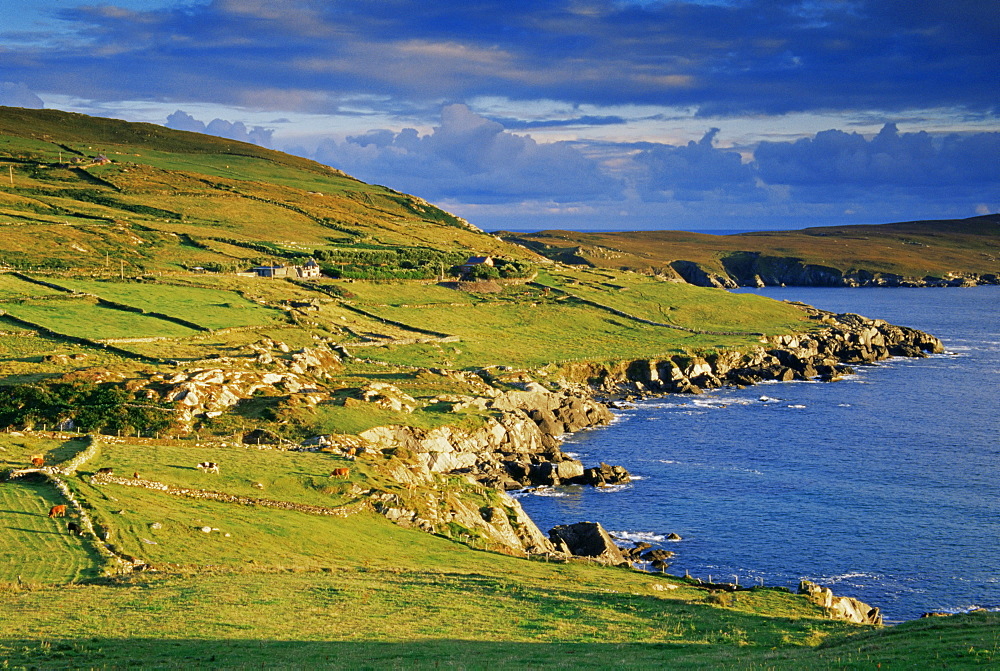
x: 165, y: 200
x: 911, y: 249
x: 287, y: 588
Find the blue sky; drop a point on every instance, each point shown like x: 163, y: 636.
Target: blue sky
x: 579, y: 114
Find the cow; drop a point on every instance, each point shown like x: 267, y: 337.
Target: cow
x: 74, y: 528
x: 107, y: 470
x: 135, y: 476
x: 58, y: 511
x: 340, y: 473
x: 38, y: 461
x: 208, y: 467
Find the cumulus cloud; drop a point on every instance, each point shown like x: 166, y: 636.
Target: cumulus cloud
x: 181, y: 120
x: 471, y: 158
x: 689, y: 172
x: 19, y: 95
x: 890, y: 158
x: 480, y: 168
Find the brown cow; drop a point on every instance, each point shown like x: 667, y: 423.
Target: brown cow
x: 58, y: 511
x: 340, y: 473
x: 37, y: 461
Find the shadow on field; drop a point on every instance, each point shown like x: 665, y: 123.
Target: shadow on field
x: 17, y: 512
x: 35, y: 531
x: 153, y: 653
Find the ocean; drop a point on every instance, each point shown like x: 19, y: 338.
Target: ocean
x: 884, y: 486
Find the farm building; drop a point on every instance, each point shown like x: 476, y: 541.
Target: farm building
x: 475, y: 261
x: 308, y: 270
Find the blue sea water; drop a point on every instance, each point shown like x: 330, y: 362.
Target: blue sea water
x: 884, y: 486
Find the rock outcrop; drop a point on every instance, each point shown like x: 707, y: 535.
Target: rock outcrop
x: 840, y: 607
x: 825, y: 354
x: 517, y: 447
x: 587, y: 539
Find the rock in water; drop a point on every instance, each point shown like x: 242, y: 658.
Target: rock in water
x: 587, y: 539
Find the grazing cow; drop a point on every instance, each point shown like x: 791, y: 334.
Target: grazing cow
x: 135, y: 475
x: 340, y: 473
x: 209, y: 467
x: 74, y: 528
x: 58, y: 511
x: 38, y: 461
x: 107, y: 470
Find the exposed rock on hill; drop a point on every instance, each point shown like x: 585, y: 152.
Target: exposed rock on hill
x: 841, y: 607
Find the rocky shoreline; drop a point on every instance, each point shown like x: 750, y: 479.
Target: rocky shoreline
x: 519, y: 446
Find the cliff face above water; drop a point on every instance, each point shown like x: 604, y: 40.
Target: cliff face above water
x: 946, y: 253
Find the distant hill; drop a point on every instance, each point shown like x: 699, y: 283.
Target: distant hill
x: 85, y: 193
x: 917, y: 253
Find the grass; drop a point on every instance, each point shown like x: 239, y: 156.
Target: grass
x: 87, y: 319
x: 674, y: 303
x: 164, y: 183
x: 14, y: 288
x: 33, y: 547
x: 209, y: 308
x: 332, y: 418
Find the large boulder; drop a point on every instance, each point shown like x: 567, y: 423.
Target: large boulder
x: 840, y: 607
x: 586, y: 539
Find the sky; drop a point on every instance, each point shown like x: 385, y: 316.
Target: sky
x: 702, y: 115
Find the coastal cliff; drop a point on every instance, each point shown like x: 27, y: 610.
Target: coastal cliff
x: 520, y: 445
x: 753, y: 269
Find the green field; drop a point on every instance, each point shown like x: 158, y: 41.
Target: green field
x: 34, y: 548
x: 208, y: 308
x: 86, y: 319
x: 14, y: 288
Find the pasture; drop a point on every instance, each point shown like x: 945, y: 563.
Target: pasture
x: 14, y: 288
x: 679, y: 304
x: 33, y: 547
x: 300, y: 477
x: 209, y: 308
x: 84, y: 318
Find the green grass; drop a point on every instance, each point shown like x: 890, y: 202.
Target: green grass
x: 301, y: 477
x: 15, y: 288
x: 680, y: 304
x: 212, y: 309
x: 551, y: 331
x: 34, y: 547
x: 87, y: 319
